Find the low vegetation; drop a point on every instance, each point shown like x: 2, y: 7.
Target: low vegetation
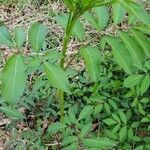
x: 93, y: 97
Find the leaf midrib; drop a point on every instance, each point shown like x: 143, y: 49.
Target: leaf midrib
x: 92, y: 63
x: 14, y: 76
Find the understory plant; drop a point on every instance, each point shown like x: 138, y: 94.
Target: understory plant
x: 125, y: 52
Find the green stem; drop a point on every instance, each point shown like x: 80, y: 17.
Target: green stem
x: 71, y: 21
x: 73, y: 16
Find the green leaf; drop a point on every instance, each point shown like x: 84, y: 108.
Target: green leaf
x: 138, y: 11
x: 36, y: 36
x: 109, y: 121
x: 73, y: 146
x: 5, y: 37
x: 123, y: 134
x: 91, y: 19
x: 145, y: 119
x: 118, y: 13
x: 69, y: 140
x: 69, y: 4
x: 140, y: 147
x: 99, y: 143
x: 57, y: 77
x: 102, y: 16
x: 12, y: 112
x: 55, y: 127
x: 113, y: 104
x: 107, y: 108
x: 72, y: 116
x: 123, y: 116
x: 143, y: 41
x: 130, y: 134
x: 132, y: 80
x: 92, y: 57
x: 13, y: 79
x: 121, y: 54
x: 116, y: 117
x: 145, y: 84
x: 78, y: 29
x: 19, y: 37
x: 134, y: 48
x: 116, y: 128
x: 86, y: 111
x: 52, y: 55
x: 85, y: 130
x: 145, y: 29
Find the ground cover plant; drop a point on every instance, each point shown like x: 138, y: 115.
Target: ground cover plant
x: 101, y: 104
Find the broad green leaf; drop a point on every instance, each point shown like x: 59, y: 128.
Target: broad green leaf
x: 145, y: 119
x: 12, y: 112
x: 92, y: 57
x: 121, y: 54
x: 132, y: 19
x: 107, y: 108
x: 109, y: 121
x: 98, y: 109
x: 73, y: 146
x: 52, y: 55
x: 13, y: 79
x: 69, y: 139
x: 19, y: 37
x: 123, y: 116
x: 99, y: 143
x: 57, y: 77
x: 140, y: 147
x: 145, y: 84
x: 134, y: 48
x: 36, y: 36
x: 72, y: 115
x: 34, y: 63
x: 143, y: 41
x: 132, y: 80
x: 86, y: 111
x: 102, y: 16
x: 78, y: 29
x: 138, y: 11
x: 110, y: 134
x: 116, y: 117
x: 141, y: 109
x: 91, y: 19
x: 85, y: 130
x: 118, y: 13
x: 55, y: 127
x: 113, y: 104
x: 116, y: 128
x: 5, y: 37
x: 123, y: 134
x: 130, y: 134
